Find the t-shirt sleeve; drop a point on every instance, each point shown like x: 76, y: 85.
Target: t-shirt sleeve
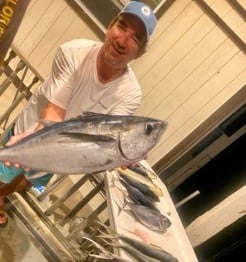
x: 58, y: 86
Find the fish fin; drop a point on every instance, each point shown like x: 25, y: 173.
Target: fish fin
x: 90, y: 113
x: 89, y: 137
x: 86, y: 114
x: 36, y: 175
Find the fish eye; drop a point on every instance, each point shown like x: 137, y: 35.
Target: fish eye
x: 149, y: 128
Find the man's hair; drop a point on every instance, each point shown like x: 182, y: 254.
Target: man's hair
x: 143, y: 47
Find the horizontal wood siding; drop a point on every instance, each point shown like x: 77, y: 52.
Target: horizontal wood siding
x: 46, y: 25
x: 190, y: 70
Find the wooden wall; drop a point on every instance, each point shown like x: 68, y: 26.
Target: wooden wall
x: 45, y: 26
x: 191, y: 69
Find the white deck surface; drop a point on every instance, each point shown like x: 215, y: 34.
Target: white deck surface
x: 174, y: 240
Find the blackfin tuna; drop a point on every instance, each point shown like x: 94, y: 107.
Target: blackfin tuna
x: 86, y: 144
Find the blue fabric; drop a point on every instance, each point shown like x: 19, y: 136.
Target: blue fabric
x: 7, y: 174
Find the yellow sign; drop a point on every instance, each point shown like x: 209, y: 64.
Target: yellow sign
x: 11, y: 14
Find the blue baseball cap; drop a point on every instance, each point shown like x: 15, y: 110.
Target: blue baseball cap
x: 144, y: 13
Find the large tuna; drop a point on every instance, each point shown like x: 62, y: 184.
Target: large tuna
x: 86, y: 144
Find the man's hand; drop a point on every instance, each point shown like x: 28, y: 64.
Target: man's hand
x: 16, y: 138
x: 133, y: 164
x: 125, y: 166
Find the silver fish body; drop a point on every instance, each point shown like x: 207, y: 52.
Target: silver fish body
x: 86, y: 144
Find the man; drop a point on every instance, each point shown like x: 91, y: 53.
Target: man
x: 86, y: 76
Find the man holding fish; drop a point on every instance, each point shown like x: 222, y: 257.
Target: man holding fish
x: 85, y: 76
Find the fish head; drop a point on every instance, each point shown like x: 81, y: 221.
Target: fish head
x: 139, y: 137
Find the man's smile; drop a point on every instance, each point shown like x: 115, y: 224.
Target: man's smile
x: 118, y: 50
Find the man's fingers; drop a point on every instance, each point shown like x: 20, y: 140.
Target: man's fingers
x: 16, y: 138
x: 13, y: 140
x: 124, y: 167
x: 7, y: 163
x: 16, y: 165
x: 133, y: 164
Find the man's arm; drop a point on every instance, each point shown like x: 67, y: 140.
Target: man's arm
x: 51, y: 112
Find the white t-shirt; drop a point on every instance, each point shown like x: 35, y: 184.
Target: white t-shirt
x: 74, y: 86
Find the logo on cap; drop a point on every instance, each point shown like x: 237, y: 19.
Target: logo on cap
x: 145, y: 10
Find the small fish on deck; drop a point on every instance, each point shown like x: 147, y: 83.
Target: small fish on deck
x: 136, y: 247
x: 151, y: 218
x: 142, y: 188
x: 149, y: 250
x: 138, y: 170
x: 136, y: 195
x: 141, y: 179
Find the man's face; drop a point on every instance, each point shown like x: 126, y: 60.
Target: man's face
x: 124, y: 41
